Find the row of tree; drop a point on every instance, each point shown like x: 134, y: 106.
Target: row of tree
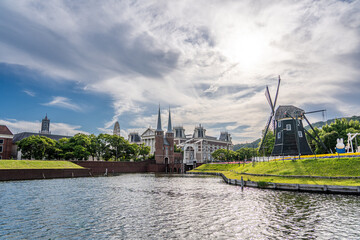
x: 224, y: 155
x: 330, y: 133
x: 82, y: 147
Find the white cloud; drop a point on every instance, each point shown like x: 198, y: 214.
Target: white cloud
x: 63, y: 102
x: 30, y: 93
x: 17, y: 126
x: 210, y: 60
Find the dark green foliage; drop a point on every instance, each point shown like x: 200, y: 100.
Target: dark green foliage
x: 81, y: 147
x: 268, y: 144
x: 242, y: 154
x: 329, y: 133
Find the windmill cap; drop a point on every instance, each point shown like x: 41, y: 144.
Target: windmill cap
x: 285, y: 111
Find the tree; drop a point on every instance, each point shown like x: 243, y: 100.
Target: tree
x: 132, y: 152
x: 117, y: 146
x: 268, y: 144
x: 246, y: 153
x: 177, y: 149
x: 66, y: 149
x: 80, y: 144
x: 144, y: 151
x: 220, y: 154
x: 38, y: 147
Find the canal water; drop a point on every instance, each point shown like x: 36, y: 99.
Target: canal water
x: 148, y: 206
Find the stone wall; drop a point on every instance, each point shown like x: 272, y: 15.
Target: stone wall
x: 29, y: 174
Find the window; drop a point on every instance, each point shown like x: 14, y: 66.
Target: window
x: 1, y: 149
x: 300, y: 133
x: 279, y: 135
x: 1, y: 141
x: 279, y: 124
x: 288, y: 127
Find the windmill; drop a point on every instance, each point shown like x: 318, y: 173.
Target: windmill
x: 288, y: 129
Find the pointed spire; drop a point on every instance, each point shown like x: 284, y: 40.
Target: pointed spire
x: 169, y: 123
x: 159, y: 128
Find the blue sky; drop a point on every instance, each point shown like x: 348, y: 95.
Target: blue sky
x: 87, y: 64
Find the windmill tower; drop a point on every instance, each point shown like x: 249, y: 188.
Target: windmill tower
x: 288, y: 128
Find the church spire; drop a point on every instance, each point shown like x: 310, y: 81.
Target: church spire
x: 159, y: 128
x: 169, y: 123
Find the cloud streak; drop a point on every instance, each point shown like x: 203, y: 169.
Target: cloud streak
x: 209, y: 60
x: 30, y: 93
x: 63, y: 102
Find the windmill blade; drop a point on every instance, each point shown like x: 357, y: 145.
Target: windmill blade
x: 277, y: 91
x: 266, y: 129
x: 267, y: 94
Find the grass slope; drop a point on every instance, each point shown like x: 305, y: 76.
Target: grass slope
x: 345, y: 167
x: 35, y: 164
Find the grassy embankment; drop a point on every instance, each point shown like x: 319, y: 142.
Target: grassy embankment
x: 333, y: 167
x: 36, y: 164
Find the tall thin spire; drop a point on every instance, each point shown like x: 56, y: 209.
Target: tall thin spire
x: 159, y: 128
x: 169, y: 123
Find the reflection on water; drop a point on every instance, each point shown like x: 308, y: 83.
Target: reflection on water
x: 145, y: 206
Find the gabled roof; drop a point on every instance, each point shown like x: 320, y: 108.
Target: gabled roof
x: 148, y: 132
x: 4, y: 130
x: 21, y: 136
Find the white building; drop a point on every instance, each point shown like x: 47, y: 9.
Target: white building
x: 199, y: 147
x: 148, y: 138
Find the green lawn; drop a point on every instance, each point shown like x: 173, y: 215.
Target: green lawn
x: 332, y: 167
x: 36, y: 164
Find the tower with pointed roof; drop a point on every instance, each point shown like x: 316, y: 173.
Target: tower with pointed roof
x: 159, y: 141
x: 164, y: 144
x: 45, y: 125
x: 169, y: 136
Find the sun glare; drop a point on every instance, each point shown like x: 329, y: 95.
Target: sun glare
x: 246, y: 49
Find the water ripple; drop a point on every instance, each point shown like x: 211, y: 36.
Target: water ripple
x: 147, y: 206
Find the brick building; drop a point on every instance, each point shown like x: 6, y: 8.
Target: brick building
x: 6, y: 137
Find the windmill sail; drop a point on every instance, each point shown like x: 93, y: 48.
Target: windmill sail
x: 267, y: 94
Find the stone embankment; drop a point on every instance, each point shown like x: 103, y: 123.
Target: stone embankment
x: 31, y: 174
x: 287, y: 186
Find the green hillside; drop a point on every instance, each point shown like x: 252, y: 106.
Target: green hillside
x: 36, y: 164
x: 331, y: 167
x: 322, y: 123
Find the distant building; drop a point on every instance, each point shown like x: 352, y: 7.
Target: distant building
x: 116, y: 129
x: 148, y: 138
x: 134, y: 137
x: 45, y: 131
x: 199, y: 147
x: 45, y: 125
x: 6, y: 137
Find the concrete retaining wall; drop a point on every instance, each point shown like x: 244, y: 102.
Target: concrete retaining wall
x: 29, y: 174
x: 288, y: 186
